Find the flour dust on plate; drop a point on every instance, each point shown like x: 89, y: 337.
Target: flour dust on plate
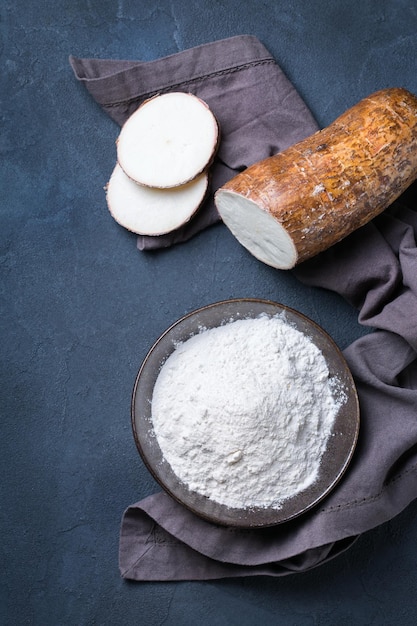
x: 239, y: 409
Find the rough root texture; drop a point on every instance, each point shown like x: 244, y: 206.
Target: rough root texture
x: 295, y: 204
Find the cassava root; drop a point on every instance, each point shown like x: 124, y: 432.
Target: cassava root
x: 297, y: 203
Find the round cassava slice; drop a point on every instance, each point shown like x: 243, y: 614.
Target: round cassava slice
x: 151, y: 211
x: 168, y: 141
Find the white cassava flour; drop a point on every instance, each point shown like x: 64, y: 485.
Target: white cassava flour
x: 243, y: 412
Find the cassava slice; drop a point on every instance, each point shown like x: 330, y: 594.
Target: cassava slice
x: 169, y: 140
x: 297, y: 203
x: 150, y: 211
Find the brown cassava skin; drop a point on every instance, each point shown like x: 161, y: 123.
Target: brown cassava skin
x: 328, y: 185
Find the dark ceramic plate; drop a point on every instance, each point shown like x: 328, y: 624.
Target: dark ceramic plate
x: 340, y: 447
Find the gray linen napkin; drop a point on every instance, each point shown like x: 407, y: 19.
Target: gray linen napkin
x: 375, y: 269
x: 258, y: 109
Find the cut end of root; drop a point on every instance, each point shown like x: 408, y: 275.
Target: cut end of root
x: 256, y: 230
x: 146, y: 211
x: 168, y: 141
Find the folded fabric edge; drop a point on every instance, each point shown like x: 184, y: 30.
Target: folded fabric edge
x: 155, y: 555
x: 103, y: 77
x: 95, y: 67
x: 209, y: 569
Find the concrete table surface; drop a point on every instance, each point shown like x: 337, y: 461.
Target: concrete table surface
x: 81, y: 307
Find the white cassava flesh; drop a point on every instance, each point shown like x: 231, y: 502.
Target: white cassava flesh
x: 257, y: 230
x: 168, y: 141
x: 150, y: 211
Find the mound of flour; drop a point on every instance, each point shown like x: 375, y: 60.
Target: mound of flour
x: 243, y: 412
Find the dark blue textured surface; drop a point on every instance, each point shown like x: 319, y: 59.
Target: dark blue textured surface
x: 81, y: 306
